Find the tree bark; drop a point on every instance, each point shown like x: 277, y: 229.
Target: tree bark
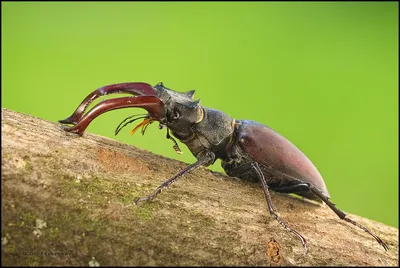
x: 67, y: 200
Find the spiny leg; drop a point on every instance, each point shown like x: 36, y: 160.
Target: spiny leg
x: 256, y: 167
x: 342, y: 216
x: 205, y: 159
x: 130, y: 88
x: 245, y: 168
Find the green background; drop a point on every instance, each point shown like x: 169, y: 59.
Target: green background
x: 324, y: 75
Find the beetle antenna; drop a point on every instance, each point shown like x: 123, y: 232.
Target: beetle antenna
x: 138, y: 116
x: 145, y: 126
x: 176, y: 146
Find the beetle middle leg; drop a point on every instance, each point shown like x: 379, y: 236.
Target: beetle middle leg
x: 240, y: 170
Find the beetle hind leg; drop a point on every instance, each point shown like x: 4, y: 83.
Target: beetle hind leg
x: 343, y: 215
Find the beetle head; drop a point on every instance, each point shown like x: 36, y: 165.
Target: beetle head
x: 181, y: 110
x: 175, y: 110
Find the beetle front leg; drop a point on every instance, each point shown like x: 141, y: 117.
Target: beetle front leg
x: 205, y: 159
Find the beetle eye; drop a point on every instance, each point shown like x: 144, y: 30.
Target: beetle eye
x: 176, y: 114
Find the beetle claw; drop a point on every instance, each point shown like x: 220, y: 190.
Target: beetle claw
x: 305, y: 248
x: 140, y: 200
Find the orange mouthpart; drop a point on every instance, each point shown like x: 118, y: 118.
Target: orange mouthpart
x: 145, y: 122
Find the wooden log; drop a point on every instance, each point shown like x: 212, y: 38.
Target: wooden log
x: 67, y: 200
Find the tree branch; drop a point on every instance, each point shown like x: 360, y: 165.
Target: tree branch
x: 67, y: 200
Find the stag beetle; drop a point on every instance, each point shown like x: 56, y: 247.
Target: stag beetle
x: 248, y: 150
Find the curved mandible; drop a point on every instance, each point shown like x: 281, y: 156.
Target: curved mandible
x: 151, y: 103
x: 135, y: 88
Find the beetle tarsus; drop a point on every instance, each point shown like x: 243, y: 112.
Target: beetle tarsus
x: 368, y: 231
x: 343, y: 215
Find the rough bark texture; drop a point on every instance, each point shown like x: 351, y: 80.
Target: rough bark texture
x: 67, y: 200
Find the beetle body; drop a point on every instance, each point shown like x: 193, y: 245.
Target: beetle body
x: 239, y: 142
x: 212, y: 133
x: 247, y: 149
x: 284, y: 166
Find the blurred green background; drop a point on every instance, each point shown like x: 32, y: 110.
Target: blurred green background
x: 324, y: 75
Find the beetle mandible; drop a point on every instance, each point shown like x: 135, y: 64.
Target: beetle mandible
x: 248, y: 150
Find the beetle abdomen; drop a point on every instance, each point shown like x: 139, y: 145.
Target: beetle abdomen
x: 279, y: 158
